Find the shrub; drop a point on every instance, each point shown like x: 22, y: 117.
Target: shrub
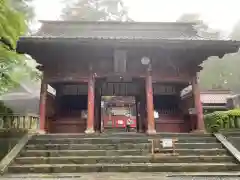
x: 222, y: 120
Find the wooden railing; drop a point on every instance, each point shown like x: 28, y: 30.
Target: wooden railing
x: 19, y: 121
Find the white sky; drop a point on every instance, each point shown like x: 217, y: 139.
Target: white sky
x: 219, y: 14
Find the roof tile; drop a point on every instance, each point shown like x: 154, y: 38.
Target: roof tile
x: 113, y: 30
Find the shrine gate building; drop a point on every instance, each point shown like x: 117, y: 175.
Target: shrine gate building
x: 151, y: 62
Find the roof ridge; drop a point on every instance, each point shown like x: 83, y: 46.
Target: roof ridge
x: 116, y: 22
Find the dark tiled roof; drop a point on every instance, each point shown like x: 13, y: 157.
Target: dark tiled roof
x: 210, y: 96
x: 117, y: 30
x: 167, y: 35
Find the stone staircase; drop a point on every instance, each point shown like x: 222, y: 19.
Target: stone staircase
x: 120, y: 152
x: 234, y: 138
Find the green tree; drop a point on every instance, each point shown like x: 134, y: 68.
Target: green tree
x: 13, y: 66
x: 223, y: 73
x: 25, y: 7
x: 217, y: 73
x: 203, y: 29
x: 95, y: 10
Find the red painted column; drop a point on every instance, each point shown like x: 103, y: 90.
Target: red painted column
x: 42, y: 108
x: 91, y: 98
x: 198, y: 105
x: 150, y: 108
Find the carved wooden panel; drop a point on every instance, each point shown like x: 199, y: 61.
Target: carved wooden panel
x: 119, y: 89
x: 73, y: 89
x: 164, y: 89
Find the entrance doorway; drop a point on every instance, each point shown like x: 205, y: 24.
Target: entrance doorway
x: 118, y: 96
x: 119, y: 113
x: 70, y: 108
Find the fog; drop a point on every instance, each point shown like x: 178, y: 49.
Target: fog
x: 218, y: 14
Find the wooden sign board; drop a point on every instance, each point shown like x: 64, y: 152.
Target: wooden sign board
x: 158, y: 145
x: 192, y: 110
x: 167, y: 143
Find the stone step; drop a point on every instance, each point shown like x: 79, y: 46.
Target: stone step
x: 122, y: 134
x: 234, y: 138
x: 123, y: 159
x: 235, y: 141
x: 118, y: 146
x: 128, y: 176
x: 230, y: 131
x: 232, y: 134
x: 115, y: 140
x: 110, y: 130
x: 134, y: 167
x: 133, y: 152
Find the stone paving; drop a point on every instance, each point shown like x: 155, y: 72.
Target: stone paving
x: 120, y: 176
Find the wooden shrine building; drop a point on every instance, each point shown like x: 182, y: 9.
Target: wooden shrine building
x: 152, y: 62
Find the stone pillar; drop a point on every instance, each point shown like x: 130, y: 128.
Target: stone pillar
x: 198, y: 104
x: 150, y: 108
x: 91, y: 99
x: 42, y: 108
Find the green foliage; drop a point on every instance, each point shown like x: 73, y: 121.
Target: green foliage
x: 95, y: 10
x: 13, y: 66
x: 23, y: 6
x: 223, y: 73
x: 202, y: 28
x: 12, y: 24
x: 217, y: 73
x: 234, y: 113
x: 222, y: 120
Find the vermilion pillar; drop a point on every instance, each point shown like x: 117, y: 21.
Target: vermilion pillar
x: 91, y: 99
x: 198, y: 104
x: 150, y: 107
x: 42, y: 107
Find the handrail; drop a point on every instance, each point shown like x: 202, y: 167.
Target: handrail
x: 6, y: 161
x: 20, y: 114
x: 228, y: 146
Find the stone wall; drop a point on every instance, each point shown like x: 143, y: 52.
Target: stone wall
x: 12, y: 129
x: 8, y: 139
